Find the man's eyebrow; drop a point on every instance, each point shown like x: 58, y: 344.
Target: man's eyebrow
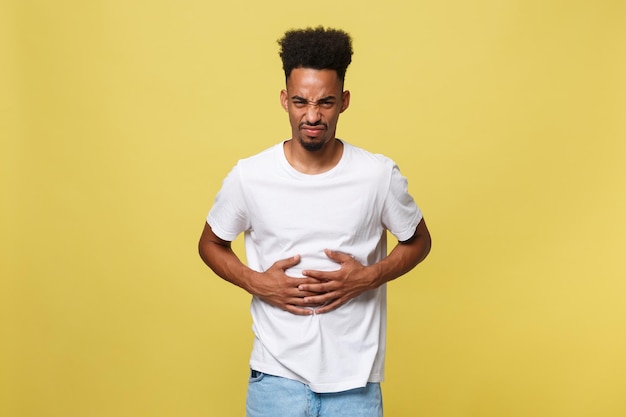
x: 327, y: 98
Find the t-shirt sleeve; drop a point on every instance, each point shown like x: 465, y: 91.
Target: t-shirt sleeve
x: 401, y: 215
x: 228, y: 216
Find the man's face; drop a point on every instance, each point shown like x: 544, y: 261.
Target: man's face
x: 314, y: 99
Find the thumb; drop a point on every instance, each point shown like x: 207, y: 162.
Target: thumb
x: 339, y: 257
x: 288, y: 262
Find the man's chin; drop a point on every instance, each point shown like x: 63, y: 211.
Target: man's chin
x: 312, y: 146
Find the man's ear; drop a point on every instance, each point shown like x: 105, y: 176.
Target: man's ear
x: 345, y: 100
x: 284, y: 100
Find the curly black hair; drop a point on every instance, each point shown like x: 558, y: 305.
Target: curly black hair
x: 316, y: 48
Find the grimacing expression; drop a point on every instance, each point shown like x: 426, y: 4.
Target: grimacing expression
x: 314, y: 100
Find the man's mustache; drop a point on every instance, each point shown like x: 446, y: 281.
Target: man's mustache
x: 320, y: 123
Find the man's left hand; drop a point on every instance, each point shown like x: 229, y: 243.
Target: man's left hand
x: 339, y: 286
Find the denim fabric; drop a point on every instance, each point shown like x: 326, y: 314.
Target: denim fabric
x: 272, y: 396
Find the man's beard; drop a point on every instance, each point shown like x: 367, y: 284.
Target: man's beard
x: 311, y: 146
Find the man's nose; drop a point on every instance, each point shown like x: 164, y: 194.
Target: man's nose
x: 312, y: 113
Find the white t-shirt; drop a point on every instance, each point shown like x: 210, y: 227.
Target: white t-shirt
x: 284, y: 212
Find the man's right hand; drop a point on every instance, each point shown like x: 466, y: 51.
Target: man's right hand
x: 272, y: 286
x: 280, y: 290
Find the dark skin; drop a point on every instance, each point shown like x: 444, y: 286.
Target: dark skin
x: 314, y: 100
x: 324, y: 290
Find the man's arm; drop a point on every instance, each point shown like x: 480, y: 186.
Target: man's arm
x: 272, y: 286
x: 353, y: 278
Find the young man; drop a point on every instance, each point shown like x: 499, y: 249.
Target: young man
x: 315, y: 211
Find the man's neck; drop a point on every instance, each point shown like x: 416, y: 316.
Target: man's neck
x: 313, y: 162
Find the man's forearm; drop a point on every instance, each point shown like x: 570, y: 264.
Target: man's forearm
x: 225, y: 263
x: 219, y: 256
x: 404, y: 256
x: 352, y: 279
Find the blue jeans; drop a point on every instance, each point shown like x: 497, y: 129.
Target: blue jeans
x: 272, y: 396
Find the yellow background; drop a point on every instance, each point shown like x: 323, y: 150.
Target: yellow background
x: 119, y: 120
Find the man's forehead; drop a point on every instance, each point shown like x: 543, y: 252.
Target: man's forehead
x: 313, y: 84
